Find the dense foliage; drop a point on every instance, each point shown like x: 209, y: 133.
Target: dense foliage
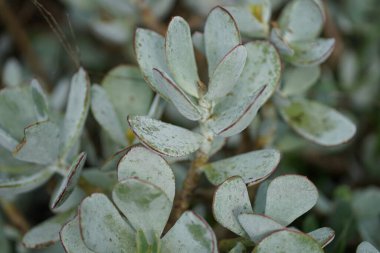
x: 189, y: 126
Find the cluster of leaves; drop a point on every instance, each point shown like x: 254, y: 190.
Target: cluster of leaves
x: 252, y: 64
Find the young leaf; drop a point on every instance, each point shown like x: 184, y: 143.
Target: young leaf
x: 102, y: 227
x: 258, y: 226
x: 24, y: 183
x: 252, y: 167
x: 139, y: 162
x: 318, y: 122
x: 76, y: 111
x: 288, y: 241
x: 150, y: 54
x: 146, y: 206
x: 230, y: 200
x: 288, y: 197
x: 312, y: 53
x: 165, y: 138
x: 127, y: 91
x: 227, y: 73
x: 323, y: 236
x: 190, y: 234
x: 221, y: 35
x: 71, y: 238
x: 69, y: 182
x: 298, y: 80
x: 180, y: 56
x: 366, y: 247
x: 185, y: 104
x: 302, y: 20
x: 105, y: 114
x: 46, y: 233
x: 40, y: 143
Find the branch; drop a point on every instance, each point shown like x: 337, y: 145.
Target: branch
x: 15, y: 216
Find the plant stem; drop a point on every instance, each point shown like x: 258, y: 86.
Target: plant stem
x: 15, y: 216
x: 182, y: 203
x: 21, y: 39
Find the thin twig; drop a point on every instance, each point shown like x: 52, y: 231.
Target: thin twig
x: 182, y: 203
x: 21, y: 39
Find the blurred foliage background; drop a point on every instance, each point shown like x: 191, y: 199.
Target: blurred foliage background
x: 50, y: 39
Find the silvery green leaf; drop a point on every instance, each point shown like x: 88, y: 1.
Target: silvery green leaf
x: 102, y: 227
x: 127, y: 91
x: 72, y: 201
x: 323, y: 236
x: 312, y: 53
x: 190, y: 234
x: 221, y: 35
x: 69, y: 182
x: 258, y: 226
x: 40, y: 143
x: 299, y: 79
x: 232, y: 116
x: 71, y: 238
x: 150, y: 54
x: 283, y: 46
x: 24, y: 183
x: 317, y: 122
x: 256, y: 84
x: 165, y: 138
x: 145, y: 205
x: 46, y: 233
x: 58, y: 97
x: 226, y: 73
x: 76, y: 111
x: 141, y: 163
x: 366, y: 247
x: 288, y: 241
x: 239, y: 248
x: 249, y: 25
x: 7, y: 141
x: 12, y: 73
x: 230, y: 200
x: 252, y: 167
x: 40, y: 101
x: 302, y: 20
x: 112, y: 161
x: 105, y: 114
x: 118, y: 31
x: 185, y: 104
x: 180, y: 56
x: 16, y: 111
x: 288, y: 197
x: 199, y: 41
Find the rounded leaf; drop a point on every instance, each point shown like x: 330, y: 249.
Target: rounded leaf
x: 180, y: 56
x: 288, y: 197
x: 165, y: 138
x: 252, y: 167
x: 190, y: 234
x: 71, y: 238
x: 230, y: 200
x: 288, y: 241
x: 317, y: 122
x: 139, y: 162
x: 146, y: 206
x: 323, y: 236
